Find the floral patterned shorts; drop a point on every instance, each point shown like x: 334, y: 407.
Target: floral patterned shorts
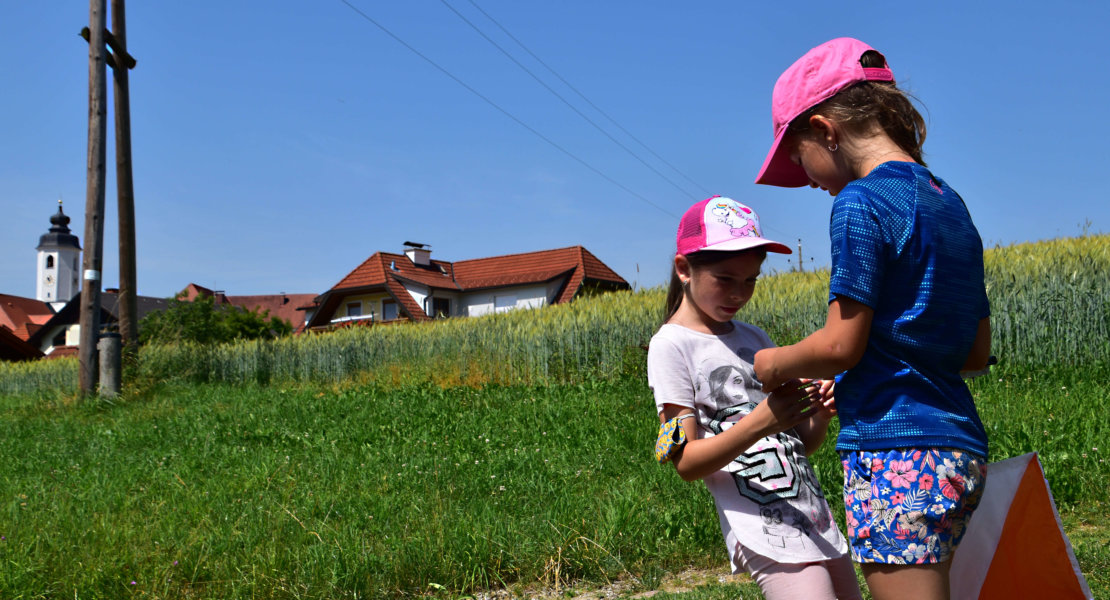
x: 911, y: 505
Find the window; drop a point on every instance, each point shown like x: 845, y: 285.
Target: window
x: 441, y: 307
x: 354, y: 309
x: 389, y: 310
x: 49, y: 261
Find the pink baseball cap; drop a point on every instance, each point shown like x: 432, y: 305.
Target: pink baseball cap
x: 719, y: 223
x: 815, y: 77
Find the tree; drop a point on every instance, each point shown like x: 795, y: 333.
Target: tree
x: 203, y: 322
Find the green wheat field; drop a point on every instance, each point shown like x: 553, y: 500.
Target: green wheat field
x: 505, y: 455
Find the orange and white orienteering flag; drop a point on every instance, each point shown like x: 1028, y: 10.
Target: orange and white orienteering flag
x: 1015, y: 545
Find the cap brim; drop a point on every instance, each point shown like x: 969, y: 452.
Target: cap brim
x: 778, y: 169
x: 746, y: 243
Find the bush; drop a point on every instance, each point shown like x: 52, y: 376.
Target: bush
x: 203, y: 322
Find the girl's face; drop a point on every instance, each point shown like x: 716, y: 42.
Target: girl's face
x: 716, y: 291
x: 819, y: 163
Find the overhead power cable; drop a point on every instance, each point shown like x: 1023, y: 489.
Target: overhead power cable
x: 587, y: 100
x: 559, y: 96
x: 502, y: 110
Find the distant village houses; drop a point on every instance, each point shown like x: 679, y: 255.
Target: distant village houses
x: 412, y: 286
x: 386, y: 288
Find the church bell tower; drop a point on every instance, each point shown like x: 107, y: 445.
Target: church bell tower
x: 59, y: 256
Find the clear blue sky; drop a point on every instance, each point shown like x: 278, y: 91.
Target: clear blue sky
x: 278, y: 144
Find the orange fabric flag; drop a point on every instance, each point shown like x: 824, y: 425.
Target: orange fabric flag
x: 1015, y: 545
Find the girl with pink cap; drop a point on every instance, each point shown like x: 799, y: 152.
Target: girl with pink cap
x: 908, y: 311
x: 718, y: 425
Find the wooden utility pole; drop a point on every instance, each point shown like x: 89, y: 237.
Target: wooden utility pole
x: 125, y: 190
x: 94, y: 202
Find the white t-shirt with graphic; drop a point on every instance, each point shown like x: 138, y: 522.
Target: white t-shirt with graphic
x: 768, y: 498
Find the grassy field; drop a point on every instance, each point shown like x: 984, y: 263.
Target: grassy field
x: 458, y: 458
x: 219, y: 491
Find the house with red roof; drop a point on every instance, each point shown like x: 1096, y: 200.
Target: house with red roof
x: 293, y: 308
x: 412, y: 286
x: 20, y: 318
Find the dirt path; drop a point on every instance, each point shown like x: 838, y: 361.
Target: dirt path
x: 625, y: 588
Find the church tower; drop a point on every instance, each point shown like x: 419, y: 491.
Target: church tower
x: 58, y: 263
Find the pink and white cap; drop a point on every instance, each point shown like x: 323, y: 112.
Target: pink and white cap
x: 720, y: 223
x: 815, y: 77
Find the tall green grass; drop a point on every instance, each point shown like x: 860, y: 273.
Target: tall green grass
x: 1050, y: 303
x: 215, y: 491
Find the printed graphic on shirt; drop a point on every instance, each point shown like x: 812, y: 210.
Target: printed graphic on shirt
x: 774, y: 470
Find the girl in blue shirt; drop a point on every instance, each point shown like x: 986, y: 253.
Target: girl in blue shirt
x: 907, y: 312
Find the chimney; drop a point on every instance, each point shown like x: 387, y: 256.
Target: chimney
x: 419, y: 254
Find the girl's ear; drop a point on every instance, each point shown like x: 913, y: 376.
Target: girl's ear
x: 825, y: 129
x: 682, y: 268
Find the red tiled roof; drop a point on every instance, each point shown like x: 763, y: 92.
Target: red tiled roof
x: 22, y: 315
x: 387, y: 272
x: 283, y: 306
x: 372, y: 272
x: 290, y: 307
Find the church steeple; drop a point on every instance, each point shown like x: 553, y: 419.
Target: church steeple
x: 58, y: 254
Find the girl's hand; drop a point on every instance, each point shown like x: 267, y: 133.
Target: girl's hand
x: 825, y: 395
x: 785, y: 407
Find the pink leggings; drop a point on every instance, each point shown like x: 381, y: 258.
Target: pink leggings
x: 832, y: 579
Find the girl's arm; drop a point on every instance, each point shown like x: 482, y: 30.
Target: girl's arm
x: 834, y: 348
x: 781, y: 410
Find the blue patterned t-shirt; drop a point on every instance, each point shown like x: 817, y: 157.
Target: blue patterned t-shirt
x: 904, y: 245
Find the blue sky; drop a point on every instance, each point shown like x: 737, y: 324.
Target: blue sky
x: 278, y: 144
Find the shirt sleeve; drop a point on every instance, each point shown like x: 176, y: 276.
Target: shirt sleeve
x: 668, y: 374
x: 858, y: 250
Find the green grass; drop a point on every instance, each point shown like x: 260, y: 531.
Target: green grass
x: 505, y: 452
x: 216, y: 491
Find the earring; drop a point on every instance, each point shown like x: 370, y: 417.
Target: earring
x: 834, y: 147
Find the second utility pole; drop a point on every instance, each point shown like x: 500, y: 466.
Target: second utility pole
x: 94, y: 203
x: 125, y: 189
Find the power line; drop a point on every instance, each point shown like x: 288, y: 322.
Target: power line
x: 587, y: 100
x: 502, y: 110
x: 559, y: 96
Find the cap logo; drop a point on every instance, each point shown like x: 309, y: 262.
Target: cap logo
x: 737, y: 217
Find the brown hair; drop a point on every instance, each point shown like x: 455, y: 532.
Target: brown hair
x: 676, y: 291
x: 860, y: 106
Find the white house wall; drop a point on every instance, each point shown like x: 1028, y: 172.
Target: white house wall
x: 511, y: 298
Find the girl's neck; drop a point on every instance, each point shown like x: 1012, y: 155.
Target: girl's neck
x: 870, y: 152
